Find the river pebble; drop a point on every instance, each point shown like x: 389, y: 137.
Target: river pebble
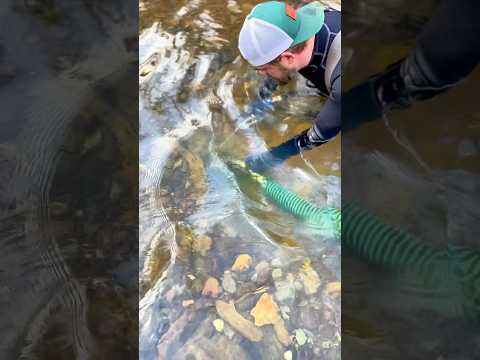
x: 228, y: 282
x: 242, y: 263
x: 218, y: 324
x: 310, y: 279
x: 245, y: 327
x: 300, y: 337
x: 277, y: 274
x: 262, y: 273
x: 211, y: 288
x: 285, y: 292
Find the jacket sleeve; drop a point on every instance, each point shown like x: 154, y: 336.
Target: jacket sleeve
x: 328, y: 122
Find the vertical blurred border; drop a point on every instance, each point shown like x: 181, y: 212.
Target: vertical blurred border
x: 409, y: 280
x: 69, y: 179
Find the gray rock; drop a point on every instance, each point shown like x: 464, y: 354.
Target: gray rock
x: 228, y: 331
x: 277, y: 274
x: 262, y: 273
x: 300, y: 337
x: 285, y: 292
x: 276, y: 263
x: 298, y: 285
x: 228, y: 283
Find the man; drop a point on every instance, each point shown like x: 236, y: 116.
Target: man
x: 279, y: 40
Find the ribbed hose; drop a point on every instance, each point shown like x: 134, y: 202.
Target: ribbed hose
x: 327, y: 220
x: 384, y: 245
x: 445, y: 270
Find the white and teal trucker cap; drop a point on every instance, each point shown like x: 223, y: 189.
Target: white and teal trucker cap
x: 273, y: 27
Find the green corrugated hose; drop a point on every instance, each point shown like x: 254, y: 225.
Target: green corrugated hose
x: 326, y: 221
x: 384, y: 245
x: 452, y: 271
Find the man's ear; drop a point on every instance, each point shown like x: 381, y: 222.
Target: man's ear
x: 288, y: 58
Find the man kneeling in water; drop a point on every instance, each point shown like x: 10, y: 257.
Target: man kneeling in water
x: 278, y: 40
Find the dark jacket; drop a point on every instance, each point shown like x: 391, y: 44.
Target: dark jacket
x: 328, y: 122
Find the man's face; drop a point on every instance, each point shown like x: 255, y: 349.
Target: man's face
x: 276, y: 71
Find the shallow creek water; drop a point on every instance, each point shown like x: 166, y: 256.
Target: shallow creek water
x: 222, y: 269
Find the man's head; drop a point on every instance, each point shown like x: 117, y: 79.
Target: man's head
x: 274, y: 37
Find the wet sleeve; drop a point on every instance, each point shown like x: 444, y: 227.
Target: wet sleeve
x: 448, y: 49
x: 329, y: 121
x: 446, y: 52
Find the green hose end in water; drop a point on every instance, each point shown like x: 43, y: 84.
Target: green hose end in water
x: 327, y: 221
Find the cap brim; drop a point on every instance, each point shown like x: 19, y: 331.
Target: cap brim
x: 311, y: 18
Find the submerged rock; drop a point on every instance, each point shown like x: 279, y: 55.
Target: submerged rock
x: 262, y: 273
x: 156, y: 261
x: 333, y: 288
x: 211, y: 288
x: 230, y: 231
x: 245, y: 327
x: 310, y: 279
x: 227, y: 330
x: 300, y: 337
x: 242, y: 263
x: 285, y: 291
x: 218, y: 324
x: 186, y: 303
x: 266, y: 312
x: 282, y: 333
x: 228, y: 282
x: 191, y: 243
x: 202, y: 244
x: 184, y: 183
x: 276, y: 263
x: 277, y: 274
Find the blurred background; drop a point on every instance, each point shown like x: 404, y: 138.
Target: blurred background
x: 417, y: 170
x: 68, y: 180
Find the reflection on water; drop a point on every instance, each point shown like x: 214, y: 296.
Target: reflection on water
x: 418, y: 170
x: 68, y: 180
x: 222, y: 269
